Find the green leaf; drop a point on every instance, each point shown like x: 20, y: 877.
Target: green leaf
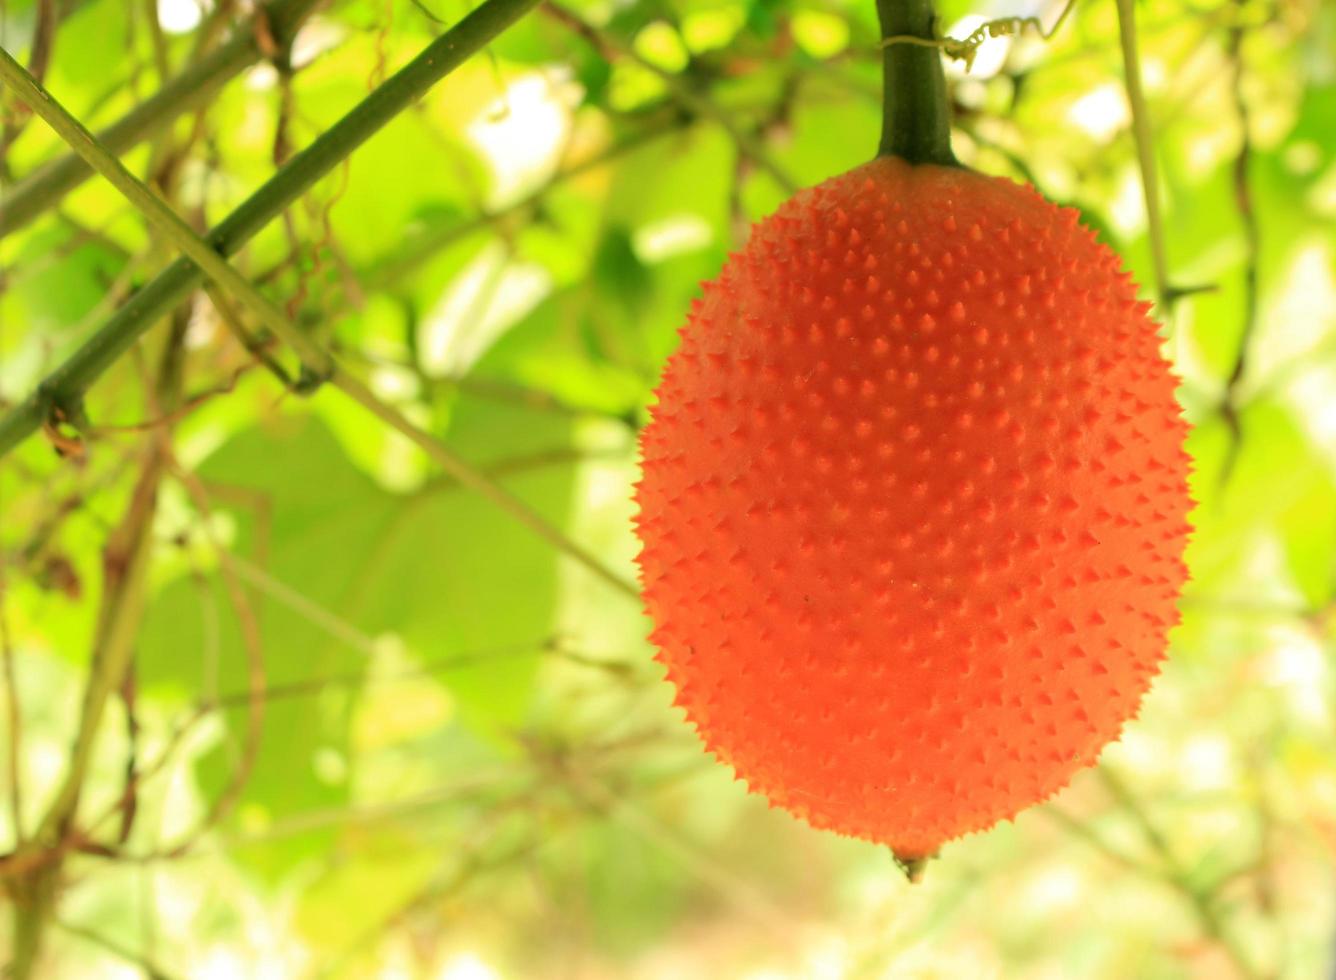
x: 65, y: 278
x: 1280, y: 490
x: 457, y: 576
x: 303, y: 556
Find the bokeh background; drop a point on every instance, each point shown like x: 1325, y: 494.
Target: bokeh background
x: 466, y: 765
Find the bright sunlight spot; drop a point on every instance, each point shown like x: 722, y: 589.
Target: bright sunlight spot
x: 467, y: 966
x: 827, y: 959
x: 1127, y: 210
x: 1297, y: 658
x: 1322, y: 197
x: 1101, y: 112
x: 672, y: 236
x: 1297, y: 663
x: 1315, y: 406
x: 1206, y: 762
x: 182, y: 16
x: 1304, y: 310
x: 314, y: 39
x: 522, y: 132
x: 481, y: 302
x: 1053, y: 888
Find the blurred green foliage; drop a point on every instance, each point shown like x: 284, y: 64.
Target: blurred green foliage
x: 467, y: 763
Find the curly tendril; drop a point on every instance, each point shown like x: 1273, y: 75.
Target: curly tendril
x: 965, y: 49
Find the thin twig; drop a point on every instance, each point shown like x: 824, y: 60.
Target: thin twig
x: 252, y: 344
x: 126, y: 557
x: 80, y: 237
x: 151, y: 970
x: 253, y: 645
x: 129, y: 698
x: 314, y: 820
x: 188, y: 406
x: 549, y: 646
x: 39, y: 58
x: 1082, y: 830
x: 474, y: 480
x: 679, y: 89
x: 439, y: 888
x: 126, y: 566
x: 357, y: 679
x: 423, y: 9
x: 1252, y: 239
x: 157, y: 41
x: 313, y: 612
x: 744, y: 895
x: 13, y: 710
x: 175, y: 738
x: 62, y: 391
x: 1141, y: 132
x: 1203, y: 903
x: 36, y: 866
x: 317, y: 360
x: 337, y: 627
x: 554, y: 646
x: 390, y: 268
x: 44, y: 187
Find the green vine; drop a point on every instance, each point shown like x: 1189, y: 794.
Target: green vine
x: 44, y: 187
x: 318, y: 362
x: 60, y: 395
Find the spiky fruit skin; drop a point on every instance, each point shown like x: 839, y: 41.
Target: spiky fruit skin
x: 914, y: 504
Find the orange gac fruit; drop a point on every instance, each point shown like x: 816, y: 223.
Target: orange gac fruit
x: 914, y: 504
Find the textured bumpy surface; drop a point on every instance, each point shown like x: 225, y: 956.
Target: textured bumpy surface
x: 914, y: 504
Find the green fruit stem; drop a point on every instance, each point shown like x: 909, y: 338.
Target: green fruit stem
x: 916, y: 118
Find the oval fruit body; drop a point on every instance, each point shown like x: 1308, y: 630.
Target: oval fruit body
x: 914, y: 504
